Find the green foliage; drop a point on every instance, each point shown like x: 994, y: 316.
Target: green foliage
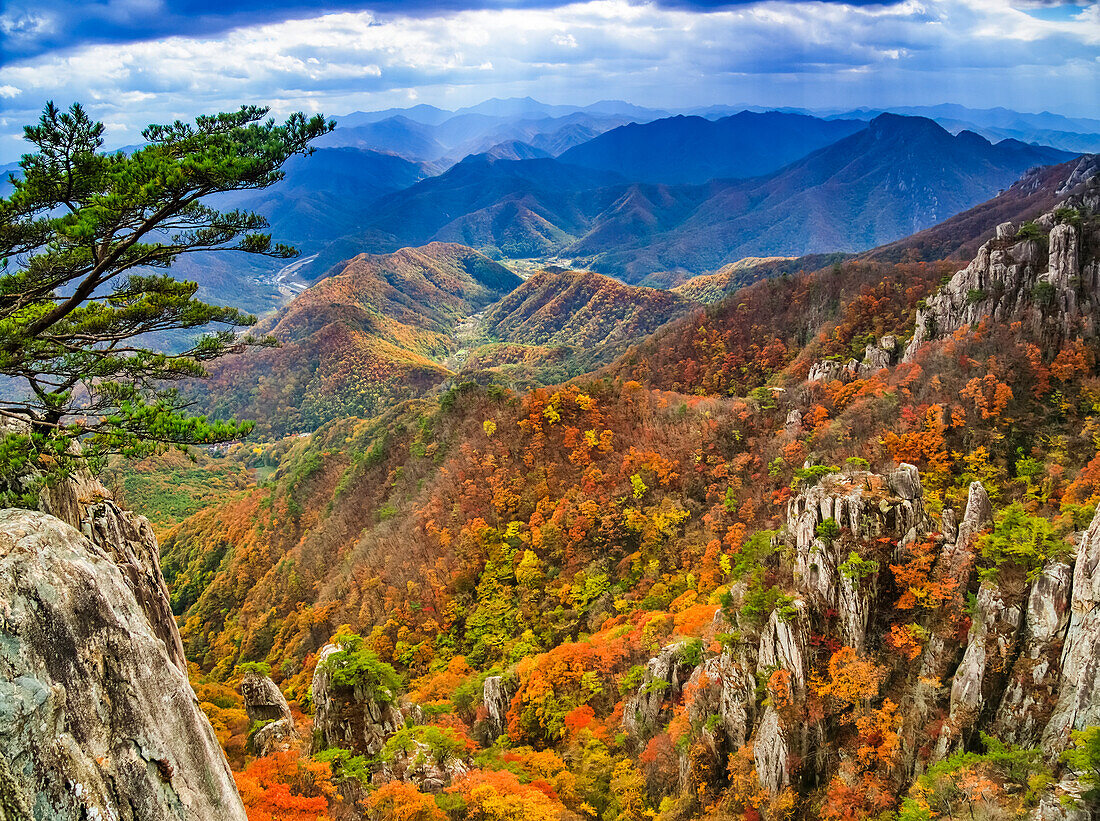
x: 1021, y: 540
x: 1084, y: 759
x: 857, y: 568
x: 657, y: 685
x: 828, y: 529
x: 759, y: 599
x: 857, y: 463
x: 260, y: 667
x: 935, y: 793
x: 633, y: 678
x: 808, y: 477
x: 1043, y: 294
x: 425, y: 744
x: 764, y: 398
x: 355, y: 666
x: 976, y: 295
x: 347, y: 767
x: 81, y: 237
x: 1030, y: 231
x: 1067, y: 216
x: 691, y: 653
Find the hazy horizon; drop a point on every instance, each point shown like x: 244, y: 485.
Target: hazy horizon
x: 133, y: 62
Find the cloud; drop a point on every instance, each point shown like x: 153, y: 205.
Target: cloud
x: 775, y: 52
x: 32, y: 27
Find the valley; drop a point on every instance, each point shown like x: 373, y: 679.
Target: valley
x: 663, y: 548
x: 587, y: 463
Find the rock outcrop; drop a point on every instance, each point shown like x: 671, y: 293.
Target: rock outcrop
x: 664, y: 677
x: 349, y: 716
x: 264, y: 703
x: 1046, y: 276
x: 97, y: 719
x: 1030, y: 693
x: 979, y: 679
x: 1078, y: 703
x: 263, y: 700
x: 829, y: 521
x: 496, y: 697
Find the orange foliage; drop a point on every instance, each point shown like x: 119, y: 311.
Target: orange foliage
x: 852, y: 679
x: 914, y: 578
x: 285, y: 787
x: 398, y: 801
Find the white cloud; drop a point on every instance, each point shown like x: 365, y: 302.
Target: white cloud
x: 977, y: 52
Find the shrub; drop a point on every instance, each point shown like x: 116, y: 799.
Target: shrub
x: 1021, y: 540
x: 827, y: 530
x: 808, y: 477
x: 355, y: 666
x: 857, y: 568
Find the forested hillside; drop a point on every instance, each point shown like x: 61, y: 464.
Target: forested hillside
x: 823, y: 549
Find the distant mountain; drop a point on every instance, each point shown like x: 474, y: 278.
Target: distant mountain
x: 579, y: 308
x: 895, y: 177
x: 728, y: 278
x: 470, y: 132
x: 520, y: 208
x: 515, y: 150
x: 898, y: 176
x: 321, y: 199
x: 694, y: 149
x: 960, y: 236
x: 421, y: 113
x: 1075, y: 134
x: 398, y: 135
x: 526, y: 107
x: 562, y: 323
x: 377, y: 331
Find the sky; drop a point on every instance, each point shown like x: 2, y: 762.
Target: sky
x: 134, y: 62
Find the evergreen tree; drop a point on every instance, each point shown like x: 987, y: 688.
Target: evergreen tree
x: 85, y: 238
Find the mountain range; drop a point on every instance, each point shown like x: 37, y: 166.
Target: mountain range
x: 650, y: 199
x: 894, y: 177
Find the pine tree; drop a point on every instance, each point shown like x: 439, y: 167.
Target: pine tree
x: 85, y: 239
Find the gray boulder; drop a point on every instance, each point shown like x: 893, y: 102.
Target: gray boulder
x: 97, y: 721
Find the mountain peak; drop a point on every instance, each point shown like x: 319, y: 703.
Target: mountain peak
x: 891, y: 124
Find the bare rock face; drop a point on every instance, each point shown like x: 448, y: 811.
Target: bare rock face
x: 879, y: 355
x: 130, y: 541
x: 1029, y: 695
x: 496, y: 698
x: 979, y: 678
x: 83, y: 503
x: 863, y: 506
x: 722, y: 688
x: 349, y: 717
x: 771, y: 752
x: 263, y: 700
x: 1079, y: 693
x: 665, y: 675
x: 275, y: 737
x: 417, y: 764
x: 1053, y: 290
x: 782, y: 647
x: 97, y: 721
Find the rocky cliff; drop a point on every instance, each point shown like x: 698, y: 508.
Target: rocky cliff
x: 1045, y: 273
x: 97, y: 719
x: 350, y: 716
x: 1026, y: 669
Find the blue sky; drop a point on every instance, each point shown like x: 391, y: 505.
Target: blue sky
x: 133, y: 62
